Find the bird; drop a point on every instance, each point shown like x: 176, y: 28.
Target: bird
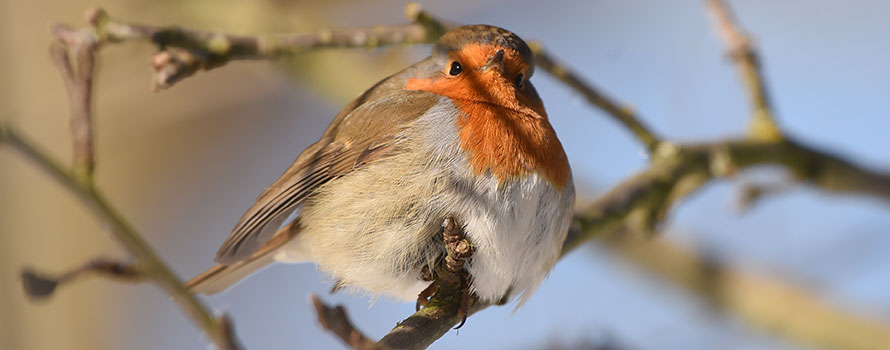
x: 462, y: 134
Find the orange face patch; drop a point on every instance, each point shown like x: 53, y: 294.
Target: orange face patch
x: 504, y: 129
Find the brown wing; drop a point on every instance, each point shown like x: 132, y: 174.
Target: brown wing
x: 359, y: 135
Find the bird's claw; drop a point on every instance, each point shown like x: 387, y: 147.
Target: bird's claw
x: 424, y: 297
x: 467, y: 299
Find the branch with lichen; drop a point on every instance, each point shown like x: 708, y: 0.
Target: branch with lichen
x: 637, y: 205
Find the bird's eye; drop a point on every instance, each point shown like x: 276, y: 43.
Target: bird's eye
x: 455, y: 68
x: 519, y: 81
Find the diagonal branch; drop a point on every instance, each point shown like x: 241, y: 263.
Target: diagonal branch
x: 335, y: 320
x: 594, y: 96
x: 217, y: 329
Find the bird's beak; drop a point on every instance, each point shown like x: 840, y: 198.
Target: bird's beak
x: 496, y: 61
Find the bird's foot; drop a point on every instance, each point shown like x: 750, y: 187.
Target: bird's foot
x: 451, y: 278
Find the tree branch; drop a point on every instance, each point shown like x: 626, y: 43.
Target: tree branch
x: 183, y: 52
x: 78, y: 78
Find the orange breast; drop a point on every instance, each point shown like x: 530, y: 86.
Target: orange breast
x: 510, y: 144
x: 510, y: 137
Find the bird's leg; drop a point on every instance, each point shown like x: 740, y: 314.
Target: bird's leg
x: 451, y: 276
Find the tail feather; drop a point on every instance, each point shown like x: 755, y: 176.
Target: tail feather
x: 221, y: 277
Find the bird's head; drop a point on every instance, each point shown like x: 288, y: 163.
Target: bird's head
x: 482, y: 64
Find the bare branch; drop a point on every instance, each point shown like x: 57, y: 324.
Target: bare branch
x: 763, y: 124
x: 149, y: 262
x: 183, y: 52
x: 78, y: 78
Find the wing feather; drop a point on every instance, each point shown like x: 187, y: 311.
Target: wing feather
x: 356, y: 137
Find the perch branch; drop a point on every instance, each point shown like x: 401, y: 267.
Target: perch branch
x: 763, y: 124
x: 447, y: 306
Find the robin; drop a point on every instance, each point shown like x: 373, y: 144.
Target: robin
x: 460, y: 134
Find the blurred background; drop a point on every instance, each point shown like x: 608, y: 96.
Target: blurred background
x: 183, y: 164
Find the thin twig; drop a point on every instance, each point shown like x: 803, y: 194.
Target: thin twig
x: 38, y: 285
x: 335, y: 320
x: 763, y: 123
x: 78, y: 78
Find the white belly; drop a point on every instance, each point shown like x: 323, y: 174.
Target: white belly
x: 518, y: 231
